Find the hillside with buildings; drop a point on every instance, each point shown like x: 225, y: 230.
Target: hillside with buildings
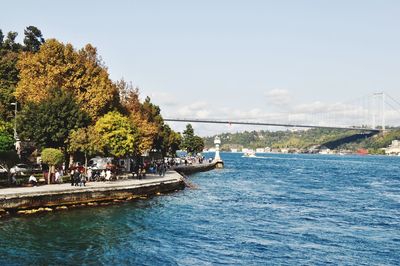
x: 302, y: 140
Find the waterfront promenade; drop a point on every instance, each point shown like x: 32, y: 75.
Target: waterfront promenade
x: 64, y: 194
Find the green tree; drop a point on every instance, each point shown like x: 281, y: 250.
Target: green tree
x: 119, y: 136
x: 191, y: 143
x: 6, y: 141
x: 171, y: 141
x: 33, y: 39
x: 198, y: 144
x: 85, y: 140
x: 187, y: 141
x: 49, y: 123
x: 10, y: 43
x: 8, y: 81
x: 1, y: 39
x: 52, y: 157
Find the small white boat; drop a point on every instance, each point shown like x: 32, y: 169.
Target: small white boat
x: 250, y: 154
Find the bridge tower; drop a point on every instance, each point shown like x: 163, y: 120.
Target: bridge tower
x: 379, y: 103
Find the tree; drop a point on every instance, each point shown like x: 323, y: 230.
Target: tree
x: 147, y: 118
x: 33, y: 39
x: 119, y: 136
x: 10, y: 43
x: 1, y: 39
x: 192, y: 143
x: 85, y: 140
x: 198, y: 144
x: 49, y: 123
x: 58, y: 65
x: 9, y: 74
x: 52, y: 157
x: 8, y: 81
x: 6, y: 141
x: 171, y: 141
x: 175, y: 140
x: 133, y: 108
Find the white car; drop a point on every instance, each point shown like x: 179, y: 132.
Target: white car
x: 20, y: 168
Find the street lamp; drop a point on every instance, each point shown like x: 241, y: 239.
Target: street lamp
x: 17, y: 142
x: 15, y: 120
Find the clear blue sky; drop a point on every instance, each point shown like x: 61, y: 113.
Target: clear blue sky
x: 239, y: 59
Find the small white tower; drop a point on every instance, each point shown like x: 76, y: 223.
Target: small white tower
x: 217, y: 159
x: 217, y: 142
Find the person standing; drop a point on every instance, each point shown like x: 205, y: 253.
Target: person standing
x: 72, y: 177
x: 82, y: 180
x: 77, y: 177
x: 108, y: 175
x: 57, y: 177
x: 102, y: 175
x: 89, y: 174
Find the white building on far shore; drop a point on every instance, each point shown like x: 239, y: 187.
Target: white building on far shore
x: 393, y: 148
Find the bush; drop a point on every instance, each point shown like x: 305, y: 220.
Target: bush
x: 52, y: 156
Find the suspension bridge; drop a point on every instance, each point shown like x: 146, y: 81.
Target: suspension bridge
x: 370, y: 113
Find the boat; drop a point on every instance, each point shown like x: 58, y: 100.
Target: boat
x: 249, y: 153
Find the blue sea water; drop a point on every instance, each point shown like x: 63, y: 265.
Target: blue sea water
x: 269, y: 210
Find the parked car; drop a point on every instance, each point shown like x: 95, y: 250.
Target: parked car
x: 20, y: 169
x: 102, y: 163
x: 3, y: 171
x: 36, y: 168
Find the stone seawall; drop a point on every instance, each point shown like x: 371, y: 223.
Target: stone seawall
x: 53, y: 196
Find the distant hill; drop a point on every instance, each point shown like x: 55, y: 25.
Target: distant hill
x: 301, y: 139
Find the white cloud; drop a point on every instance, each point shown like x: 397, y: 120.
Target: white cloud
x: 278, y: 97
x: 202, y: 114
x: 311, y: 107
x: 163, y: 99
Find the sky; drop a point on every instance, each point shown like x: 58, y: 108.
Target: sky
x: 267, y: 61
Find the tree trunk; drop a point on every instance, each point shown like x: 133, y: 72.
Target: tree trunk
x: 85, y: 163
x: 71, y: 160
x: 49, y: 174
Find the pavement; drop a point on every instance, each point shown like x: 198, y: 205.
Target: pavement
x: 150, y: 179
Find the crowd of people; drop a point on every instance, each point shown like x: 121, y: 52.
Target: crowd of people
x: 79, y: 176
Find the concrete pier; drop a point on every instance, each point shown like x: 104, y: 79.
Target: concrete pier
x: 198, y: 167
x: 49, y: 197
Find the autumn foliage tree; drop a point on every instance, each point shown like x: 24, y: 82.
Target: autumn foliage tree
x: 10, y: 51
x: 155, y: 134
x: 133, y: 108
x: 63, y: 93
x: 58, y: 65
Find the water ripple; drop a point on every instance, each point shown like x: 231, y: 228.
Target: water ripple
x: 275, y: 209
